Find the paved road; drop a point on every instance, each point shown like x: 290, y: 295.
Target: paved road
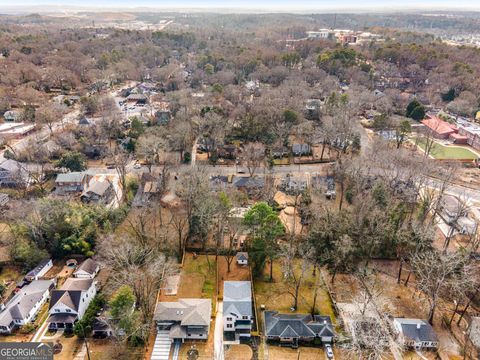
x: 42, y: 134
x: 296, y: 170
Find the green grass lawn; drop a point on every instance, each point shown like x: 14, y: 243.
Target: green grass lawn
x: 442, y: 152
x: 282, y: 161
x: 206, y: 269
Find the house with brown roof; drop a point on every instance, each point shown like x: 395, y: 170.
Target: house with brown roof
x: 440, y: 128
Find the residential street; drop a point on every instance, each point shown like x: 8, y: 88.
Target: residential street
x: 43, y: 133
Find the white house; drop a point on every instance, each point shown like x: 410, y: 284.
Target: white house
x: 87, y: 269
x: 24, y: 305
x: 237, y: 309
x: 39, y: 270
x: 69, y: 303
x: 242, y: 258
x: 415, y: 333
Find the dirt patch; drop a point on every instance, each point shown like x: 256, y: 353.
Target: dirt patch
x: 71, y: 346
x: 238, y: 352
x: 302, y: 353
x: 197, y: 280
x: 237, y: 272
x: 205, y: 348
x: 106, y: 349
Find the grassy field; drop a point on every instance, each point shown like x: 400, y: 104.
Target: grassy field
x: 199, y: 276
x: 274, y: 295
x: 442, y: 152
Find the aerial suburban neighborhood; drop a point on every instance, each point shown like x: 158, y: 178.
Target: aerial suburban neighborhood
x: 239, y: 183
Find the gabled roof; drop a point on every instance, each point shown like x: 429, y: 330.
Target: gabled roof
x: 297, y: 325
x: 34, y: 272
x: 71, y: 293
x: 89, y: 266
x: 250, y: 182
x: 186, y: 311
x: 98, y: 187
x: 23, y: 302
x: 242, y: 256
x: 72, y: 177
x: 439, y: 126
x: 68, y: 298
x: 11, y: 165
x: 416, y: 330
x: 237, y: 298
x: 77, y: 284
x: 288, y: 332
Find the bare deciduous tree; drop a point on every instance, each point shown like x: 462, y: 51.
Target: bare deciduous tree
x: 441, y: 275
x: 253, y: 156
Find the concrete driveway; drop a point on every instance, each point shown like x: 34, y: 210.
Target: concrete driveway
x: 218, y: 336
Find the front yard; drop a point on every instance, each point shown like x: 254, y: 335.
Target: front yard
x: 442, y: 152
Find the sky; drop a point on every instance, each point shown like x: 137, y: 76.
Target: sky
x: 299, y: 5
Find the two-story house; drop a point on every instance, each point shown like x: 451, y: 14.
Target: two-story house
x: 69, y: 303
x: 71, y: 183
x: 24, y: 305
x: 184, y: 319
x: 237, y: 309
x: 87, y: 269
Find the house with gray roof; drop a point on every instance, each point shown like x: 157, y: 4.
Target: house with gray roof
x: 11, y: 116
x: 292, y: 329
x: 184, y: 319
x: 13, y: 174
x: 87, y: 269
x: 69, y: 303
x: 474, y: 332
x: 237, y: 309
x: 23, y: 307
x: 415, y: 333
x: 99, y: 191
x: 39, y: 270
x: 301, y: 149
x: 242, y: 258
x: 71, y: 183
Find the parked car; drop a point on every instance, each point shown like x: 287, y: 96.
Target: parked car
x: 329, y: 351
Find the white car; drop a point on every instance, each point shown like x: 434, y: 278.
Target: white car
x: 329, y: 351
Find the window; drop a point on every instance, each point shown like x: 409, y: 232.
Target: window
x: 244, y: 317
x: 57, y: 310
x: 229, y: 326
x: 68, y: 310
x: 229, y: 319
